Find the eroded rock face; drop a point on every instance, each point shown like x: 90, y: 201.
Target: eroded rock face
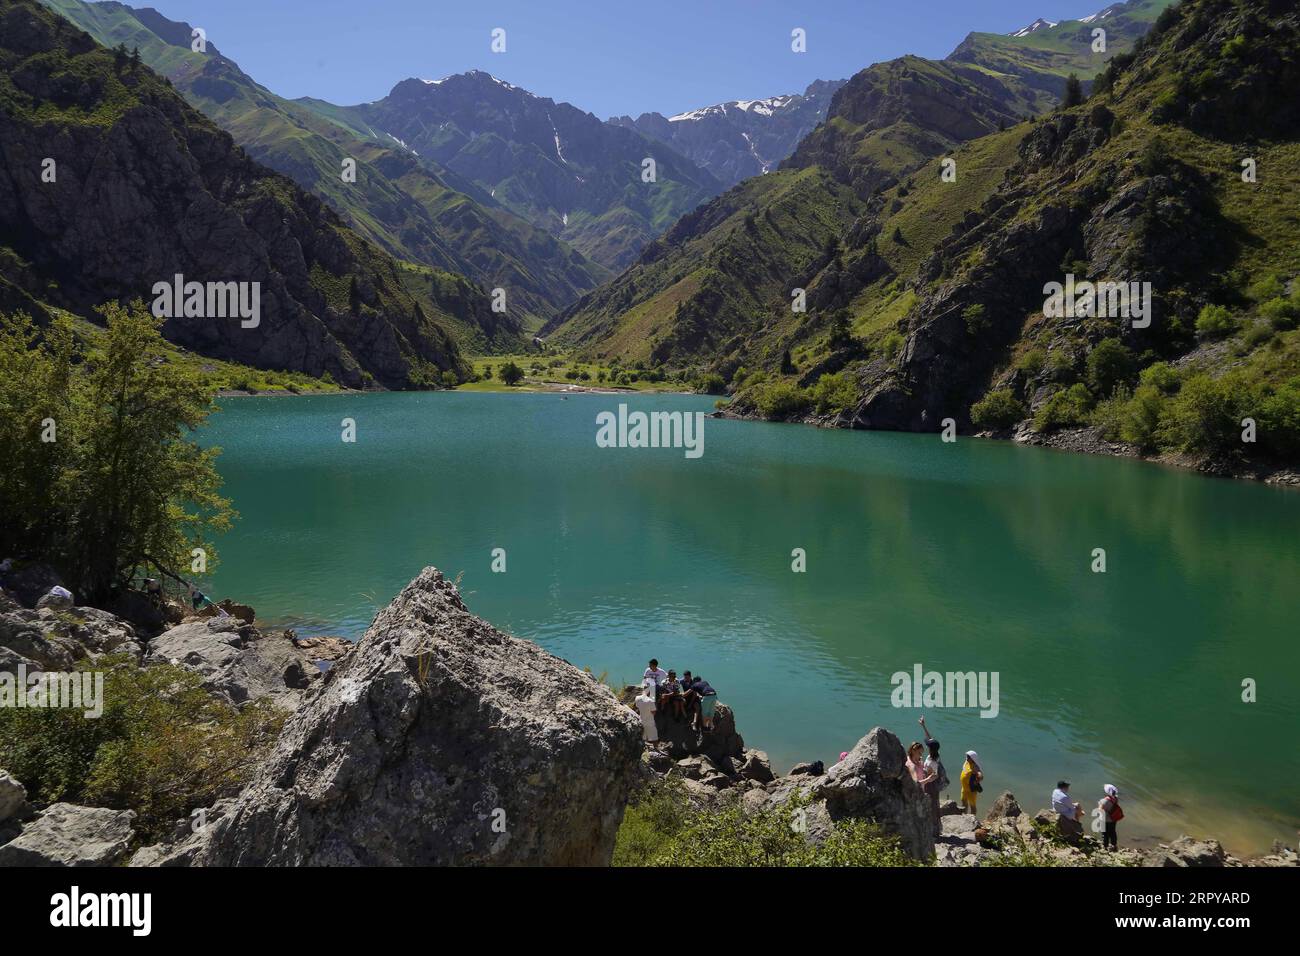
x: 439, y: 741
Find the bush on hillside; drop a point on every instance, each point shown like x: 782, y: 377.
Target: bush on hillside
x: 780, y: 399
x: 1064, y: 409
x: 162, y: 747
x: 997, y: 410
x: 1215, y: 322
x: 1109, y: 365
x: 834, y: 394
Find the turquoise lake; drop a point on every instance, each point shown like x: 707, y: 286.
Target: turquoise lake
x: 971, y: 556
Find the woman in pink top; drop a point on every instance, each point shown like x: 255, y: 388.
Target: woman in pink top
x: 916, y: 762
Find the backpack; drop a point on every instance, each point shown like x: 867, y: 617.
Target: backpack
x: 940, y: 782
x: 1116, y: 811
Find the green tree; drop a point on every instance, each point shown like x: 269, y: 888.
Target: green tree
x: 130, y: 486
x: 511, y: 374
x: 1073, y: 92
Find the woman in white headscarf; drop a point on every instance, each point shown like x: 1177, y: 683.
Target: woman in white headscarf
x: 1112, y: 814
x: 972, y: 781
x: 645, y: 708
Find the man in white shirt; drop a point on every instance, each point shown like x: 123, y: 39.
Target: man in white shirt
x: 655, y: 673
x: 1069, y: 813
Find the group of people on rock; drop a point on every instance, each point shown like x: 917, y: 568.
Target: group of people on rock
x: 688, y: 698
x: 927, y: 770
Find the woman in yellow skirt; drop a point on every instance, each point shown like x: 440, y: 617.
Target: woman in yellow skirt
x: 971, y: 781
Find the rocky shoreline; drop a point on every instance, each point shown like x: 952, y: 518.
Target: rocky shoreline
x: 439, y: 740
x: 1084, y: 441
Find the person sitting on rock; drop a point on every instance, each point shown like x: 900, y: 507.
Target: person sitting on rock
x: 972, y: 778
x: 708, y: 698
x: 690, y: 699
x: 655, y: 673
x: 671, y: 699
x: 1069, y: 815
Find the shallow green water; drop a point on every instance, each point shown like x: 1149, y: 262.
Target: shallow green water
x: 973, y: 556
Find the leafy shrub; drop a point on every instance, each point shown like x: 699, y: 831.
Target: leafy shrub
x: 834, y: 394
x: 1215, y: 322
x: 892, y: 344
x: 710, y: 383
x: 997, y: 410
x: 1109, y: 364
x: 1281, y: 313
x: 1031, y: 363
x: 976, y: 320
x: 780, y: 399
x: 1064, y: 409
x: 1202, y: 417
x: 162, y: 747
x: 662, y: 828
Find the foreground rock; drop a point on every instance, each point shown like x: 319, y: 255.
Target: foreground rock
x: 69, y: 835
x: 438, y: 741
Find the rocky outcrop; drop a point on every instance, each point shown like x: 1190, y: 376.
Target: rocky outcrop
x: 873, y: 783
x: 69, y: 835
x: 49, y: 639
x: 438, y: 741
x: 1189, y: 852
x: 236, y: 661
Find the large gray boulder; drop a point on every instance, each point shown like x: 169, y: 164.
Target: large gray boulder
x: 69, y: 835
x: 439, y: 740
x: 873, y: 783
x: 237, y: 663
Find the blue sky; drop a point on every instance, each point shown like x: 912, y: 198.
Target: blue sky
x: 605, y: 56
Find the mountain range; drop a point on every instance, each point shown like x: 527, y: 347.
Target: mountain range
x: 741, y: 138
x: 112, y: 183
x: 716, y: 287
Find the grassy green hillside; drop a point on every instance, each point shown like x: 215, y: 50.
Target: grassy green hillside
x: 147, y: 188
x: 396, y: 202
x: 717, y: 287
x: 1044, y: 58
x: 926, y: 292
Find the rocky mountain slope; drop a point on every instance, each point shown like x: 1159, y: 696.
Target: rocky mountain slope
x: 402, y: 205
x: 717, y: 287
x: 560, y: 168
x: 143, y: 188
x: 741, y: 138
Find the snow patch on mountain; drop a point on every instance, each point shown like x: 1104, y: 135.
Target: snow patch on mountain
x: 1039, y: 24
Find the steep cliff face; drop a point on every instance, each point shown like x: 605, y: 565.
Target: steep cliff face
x: 111, y: 184
x: 439, y: 741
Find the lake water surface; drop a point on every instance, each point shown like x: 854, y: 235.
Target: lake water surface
x: 973, y: 556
